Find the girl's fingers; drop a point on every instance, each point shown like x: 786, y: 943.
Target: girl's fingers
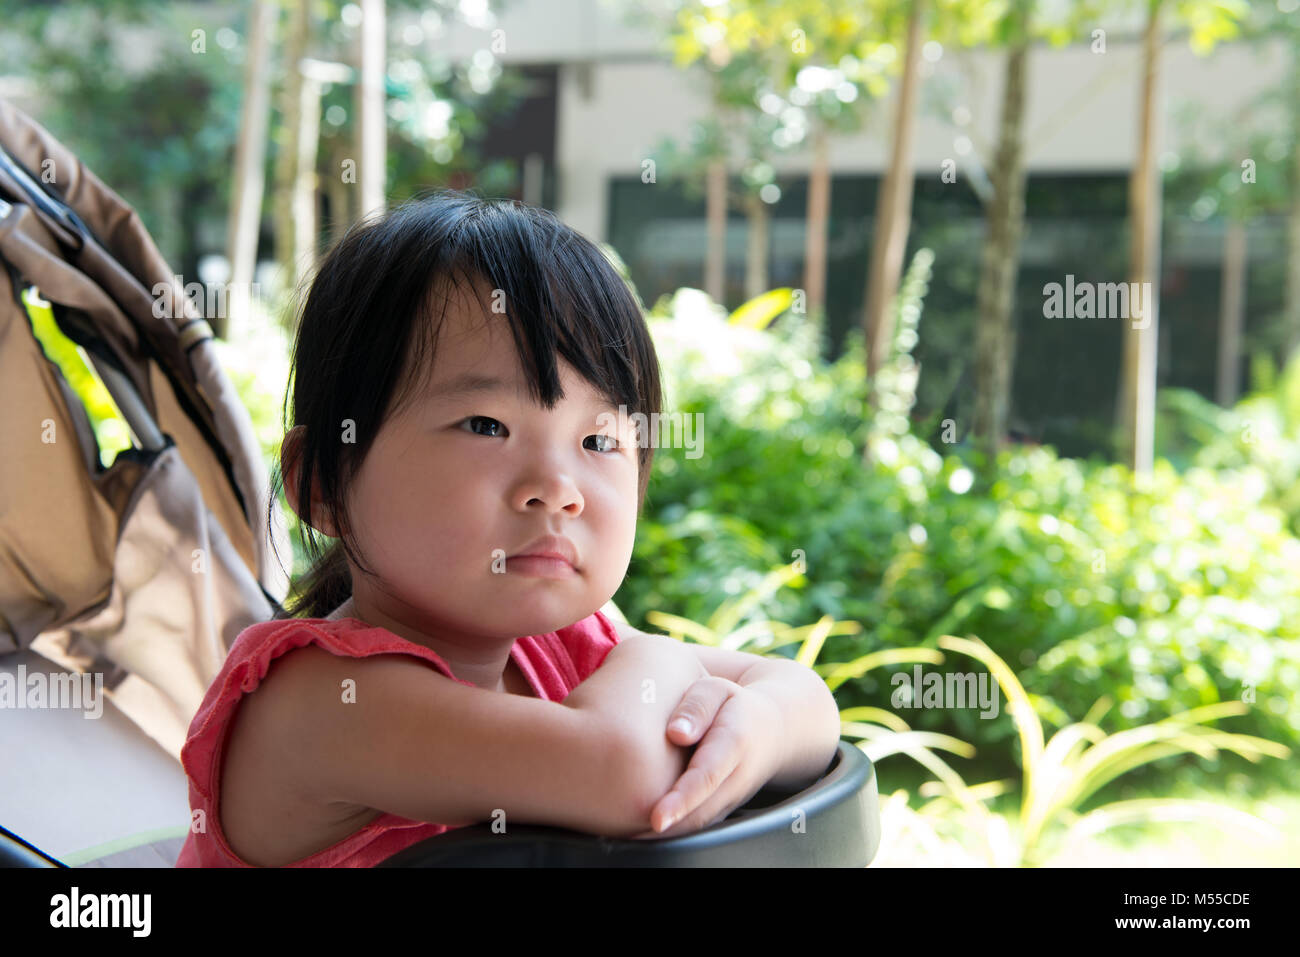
x: 719, y: 804
x: 647, y: 835
x: 699, y: 706
x: 713, y: 762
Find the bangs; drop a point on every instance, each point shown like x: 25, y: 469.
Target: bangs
x: 561, y: 298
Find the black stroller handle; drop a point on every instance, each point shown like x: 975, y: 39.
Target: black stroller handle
x: 51, y: 206
x: 832, y: 823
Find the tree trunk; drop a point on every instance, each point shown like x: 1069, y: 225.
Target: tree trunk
x: 372, y: 146
x: 1137, y: 403
x: 305, y: 182
x: 995, y: 333
x: 893, y: 207
x: 286, y: 163
x: 1232, y: 304
x: 339, y: 196
x: 818, y: 219
x: 250, y: 151
x: 758, y: 246
x: 715, y: 263
x: 1292, y: 293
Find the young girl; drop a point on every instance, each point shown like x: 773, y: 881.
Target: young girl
x: 463, y: 376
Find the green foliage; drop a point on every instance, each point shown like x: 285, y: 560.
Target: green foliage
x: 160, y: 130
x: 1166, y: 594
x: 759, y: 312
x: 1061, y: 775
x: 143, y: 128
x: 257, y: 362
x: 894, y: 391
x: 1058, y: 777
x: 1259, y: 437
x: 1211, y: 21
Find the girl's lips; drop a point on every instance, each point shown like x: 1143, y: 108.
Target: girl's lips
x: 546, y: 554
x: 540, y: 566
x: 551, y: 546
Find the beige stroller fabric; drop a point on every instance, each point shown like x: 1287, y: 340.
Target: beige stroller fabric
x: 145, y: 571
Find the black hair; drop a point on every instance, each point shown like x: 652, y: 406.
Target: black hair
x: 367, y: 332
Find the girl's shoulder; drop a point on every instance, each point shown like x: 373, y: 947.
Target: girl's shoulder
x: 267, y: 811
x: 346, y: 638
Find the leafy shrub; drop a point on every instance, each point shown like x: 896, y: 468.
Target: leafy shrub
x: 1262, y: 432
x: 1164, y: 594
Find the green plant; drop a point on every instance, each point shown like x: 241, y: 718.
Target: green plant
x: 1172, y: 594
x: 1061, y: 775
x: 894, y: 388
x: 760, y: 311
x: 1259, y: 436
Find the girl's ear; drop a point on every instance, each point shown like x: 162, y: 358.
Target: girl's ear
x: 290, y: 448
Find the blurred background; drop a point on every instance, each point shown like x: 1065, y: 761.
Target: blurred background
x: 879, y: 245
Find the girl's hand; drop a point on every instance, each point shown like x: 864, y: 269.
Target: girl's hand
x: 742, y: 750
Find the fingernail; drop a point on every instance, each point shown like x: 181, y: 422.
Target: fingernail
x: 666, y: 823
x: 683, y: 725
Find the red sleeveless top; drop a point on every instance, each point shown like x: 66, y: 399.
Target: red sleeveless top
x: 554, y: 664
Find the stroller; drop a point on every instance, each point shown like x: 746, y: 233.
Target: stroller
x: 141, y: 574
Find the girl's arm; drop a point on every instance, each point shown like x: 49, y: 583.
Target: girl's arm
x: 407, y: 740
x: 811, y: 718
x: 633, y: 693
x: 755, y: 722
x: 809, y: 714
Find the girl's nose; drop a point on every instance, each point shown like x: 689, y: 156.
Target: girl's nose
x: 553, y: 493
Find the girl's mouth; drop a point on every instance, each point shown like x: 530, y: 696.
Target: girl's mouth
x: 540, y: 566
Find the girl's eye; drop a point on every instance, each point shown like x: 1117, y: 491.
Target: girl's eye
x: 482, y: 418
x: 608, y: 442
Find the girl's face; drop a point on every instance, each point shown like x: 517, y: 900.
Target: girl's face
x: 465, y: 478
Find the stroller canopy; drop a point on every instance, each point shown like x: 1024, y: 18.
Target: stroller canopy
x: 147, y: 570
